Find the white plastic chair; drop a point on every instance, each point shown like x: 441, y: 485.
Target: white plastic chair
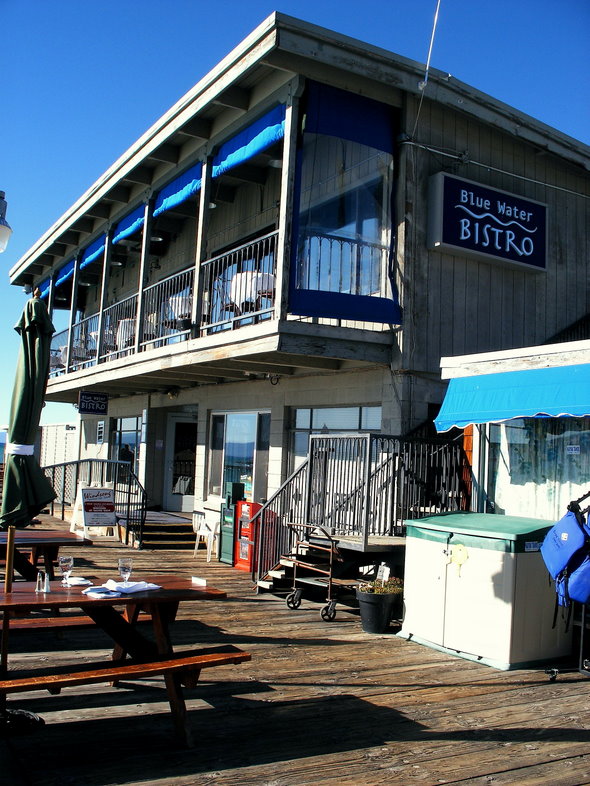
x: 206, y: 531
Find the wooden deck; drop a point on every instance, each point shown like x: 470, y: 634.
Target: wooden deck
x: 320, y: 703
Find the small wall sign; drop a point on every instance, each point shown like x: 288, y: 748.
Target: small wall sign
x: 93, y: 403
x: 477, y: 220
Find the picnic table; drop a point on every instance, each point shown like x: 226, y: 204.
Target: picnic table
x: 44, y: 544
x: 134, y: 656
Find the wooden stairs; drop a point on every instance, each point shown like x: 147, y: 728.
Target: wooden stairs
x: 171, y: 531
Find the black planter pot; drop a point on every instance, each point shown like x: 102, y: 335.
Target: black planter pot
x: 377, y: 611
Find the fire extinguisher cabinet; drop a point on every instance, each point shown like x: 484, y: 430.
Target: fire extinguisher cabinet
x: 476, y: 586
x: 246, y: 530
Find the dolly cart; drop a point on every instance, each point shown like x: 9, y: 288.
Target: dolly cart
x: 316, y: 558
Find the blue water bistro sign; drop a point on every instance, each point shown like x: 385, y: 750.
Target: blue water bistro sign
x: 93, y: 403
x: 473, y: 219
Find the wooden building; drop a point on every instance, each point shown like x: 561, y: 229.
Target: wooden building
x: 291, y: 249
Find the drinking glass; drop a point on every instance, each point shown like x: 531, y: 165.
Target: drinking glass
x: 125, y: 568
x: 66, y: 563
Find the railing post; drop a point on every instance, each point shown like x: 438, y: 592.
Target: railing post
x: 63, y: 492
x: 366, y: 500
x: 201, y: 250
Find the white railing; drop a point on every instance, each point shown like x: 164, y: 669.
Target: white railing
x: 167, y: 310
x: 239, y: 286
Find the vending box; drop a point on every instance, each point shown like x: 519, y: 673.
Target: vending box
x: 245, y: 535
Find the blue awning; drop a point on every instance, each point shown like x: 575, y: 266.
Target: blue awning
x: 93, y: 252
x: 179, y: 190
x: 250, y: 141
x: 64, y: 274
x: 491, y: 398
x: 129, y: 225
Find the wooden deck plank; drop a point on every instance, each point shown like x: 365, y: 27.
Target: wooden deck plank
x: 320, y: 703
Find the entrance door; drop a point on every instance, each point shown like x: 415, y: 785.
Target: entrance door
x: 179, y: 470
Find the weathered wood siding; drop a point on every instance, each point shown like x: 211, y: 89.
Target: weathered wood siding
x: 457, y: 305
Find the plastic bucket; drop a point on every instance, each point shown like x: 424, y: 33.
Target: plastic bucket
x: 377, y: 610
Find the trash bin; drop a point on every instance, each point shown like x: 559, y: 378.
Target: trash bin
x: 476, y: 585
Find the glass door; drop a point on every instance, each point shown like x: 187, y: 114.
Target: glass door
x: 179, y: 470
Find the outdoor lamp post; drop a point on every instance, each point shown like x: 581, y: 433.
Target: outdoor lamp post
x: 5, y: 230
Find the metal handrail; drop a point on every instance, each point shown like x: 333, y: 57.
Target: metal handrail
x: 362, y: 485
x: 130, y: 495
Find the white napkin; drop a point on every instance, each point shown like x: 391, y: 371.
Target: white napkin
x: 77, y: 581
x: 100, y: 592
x: 132, y: 586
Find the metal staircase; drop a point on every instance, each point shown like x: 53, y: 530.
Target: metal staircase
x: 359, y: 489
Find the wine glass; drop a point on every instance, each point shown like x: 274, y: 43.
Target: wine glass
x: 125, y: 568
x: 66, y: 563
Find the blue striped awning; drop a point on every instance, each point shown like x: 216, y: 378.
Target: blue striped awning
x: 533, y: 393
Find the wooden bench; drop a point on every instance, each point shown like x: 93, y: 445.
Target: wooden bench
x: 59, y: 622
x: 181, y: 668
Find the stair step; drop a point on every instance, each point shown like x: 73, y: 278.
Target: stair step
x: 276, y: 574
x: 263, y: 584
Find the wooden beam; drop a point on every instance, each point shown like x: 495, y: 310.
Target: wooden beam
x: 141, y: 174
x: 83, y: 225
x: 119, y: 193
x: 234, y: 98
x: 57, y: 249
x: 70, y: 237
x: 197, y: 127
x: 99, y: 210
x: 166, y: 152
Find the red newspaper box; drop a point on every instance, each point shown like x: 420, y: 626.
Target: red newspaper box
x: 246, y: 531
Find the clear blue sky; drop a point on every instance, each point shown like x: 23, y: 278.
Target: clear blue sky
x: 82, y: 80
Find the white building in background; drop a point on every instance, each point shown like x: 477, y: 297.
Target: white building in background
x: 292, y: 248
x: 59, y: 443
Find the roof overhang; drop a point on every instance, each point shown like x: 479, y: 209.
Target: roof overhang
x: 277, y: 50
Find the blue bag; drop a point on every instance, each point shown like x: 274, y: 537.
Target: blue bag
x: 566, y: 553
x: 578, y: 582
x: 563, y: 541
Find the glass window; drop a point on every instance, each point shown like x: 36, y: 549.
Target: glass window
x: 329, y: 420
x: 126, y: 439
x: 239, y: 446
x: 344, y: 216
x: 536, y: 466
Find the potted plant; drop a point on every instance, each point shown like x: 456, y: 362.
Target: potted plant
x: 380, y: 601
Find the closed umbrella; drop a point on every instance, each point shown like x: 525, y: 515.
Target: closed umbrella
x: 26, y: 490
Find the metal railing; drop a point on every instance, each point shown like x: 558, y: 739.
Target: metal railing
x: 167, y: 310
x: 359, y: 486
x: 239, y: 286
x: 130, y: 496
x: 336, y: 264
x: 118, y: 329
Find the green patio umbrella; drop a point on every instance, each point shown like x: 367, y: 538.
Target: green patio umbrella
x: 26, y: 490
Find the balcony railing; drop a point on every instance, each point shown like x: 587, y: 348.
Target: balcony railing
x: 336, y: 264
x: 167, y: 310
x: 118, y: 329
x: 238, y: 289
x: 239, y: 286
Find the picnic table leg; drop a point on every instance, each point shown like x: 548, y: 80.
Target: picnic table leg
x: 162, y: 615
x: 24, y: 567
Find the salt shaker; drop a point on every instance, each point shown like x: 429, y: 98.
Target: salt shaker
x: 46, y: 586
x: 40, y: 582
